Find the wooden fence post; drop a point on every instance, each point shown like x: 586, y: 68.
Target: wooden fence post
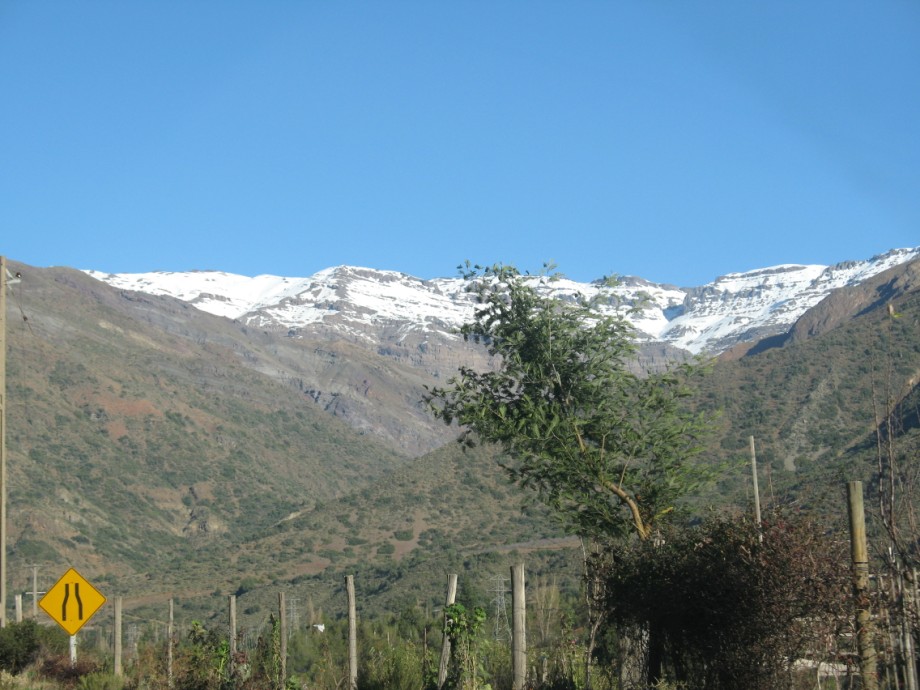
x: 231, y: 614
x: 519, y: 628
x: 860, y: 558
x: 117, y: 642
x: 445, y: 642
x: 169, y: 647
x: 352, y: 633
x: 282, y: 634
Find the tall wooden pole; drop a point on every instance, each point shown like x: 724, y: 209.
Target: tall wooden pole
x: 3, y: 490
x: 35, y: 592
x: 4, y: 282
x: 445, y: 643
x: 352, y: 633
x: 756, y: 488
x: 860, y: 558
x: 518, y: 628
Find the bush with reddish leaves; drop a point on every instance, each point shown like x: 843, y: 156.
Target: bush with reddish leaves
x: 725, y: 605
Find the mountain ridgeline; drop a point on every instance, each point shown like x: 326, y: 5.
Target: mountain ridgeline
x: 167, y: 440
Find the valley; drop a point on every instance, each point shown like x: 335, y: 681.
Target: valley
x: 167, y: 450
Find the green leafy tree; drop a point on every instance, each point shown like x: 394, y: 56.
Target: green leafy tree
x: 611, y: 451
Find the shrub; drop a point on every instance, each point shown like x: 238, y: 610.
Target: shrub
x: 21, y: 644
x: 728, y: 606
x: 247, y: 584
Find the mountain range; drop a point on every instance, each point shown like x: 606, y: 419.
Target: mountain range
x: 385, y: 306
x: 384, y: 319
x: 180, y: 432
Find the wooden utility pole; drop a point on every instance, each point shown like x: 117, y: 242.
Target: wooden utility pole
x: 860, y: 558
x: 352, y: 633
x: 445, y: 643
x: 756, y: 488
x: 5, y: 282
x: 518, y: 628
x: 2, y: 442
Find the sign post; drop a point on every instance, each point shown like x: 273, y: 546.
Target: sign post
x: 70, y: 603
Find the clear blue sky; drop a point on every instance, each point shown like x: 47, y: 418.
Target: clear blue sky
x: 676, y: 141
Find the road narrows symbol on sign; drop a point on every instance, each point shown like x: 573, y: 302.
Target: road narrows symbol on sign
x: 76, y: 594
x: 72, y: 601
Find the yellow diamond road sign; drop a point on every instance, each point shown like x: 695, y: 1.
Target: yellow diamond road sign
x: 72, y: 601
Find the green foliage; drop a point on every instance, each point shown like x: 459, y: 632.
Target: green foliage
x: 392, y: 665
x: 463, y: 628
x: 266, y: 662
x: 99, y: 681
x: 607, y: 449
x: 731, y: 606
x: 202, y: 660
x: 247, y: 584
x: 19, y: 645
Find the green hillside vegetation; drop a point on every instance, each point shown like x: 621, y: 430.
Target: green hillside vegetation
x: 133, y: 438
x: 146, y: 451
x: 450, y: 511
x: 168, y: 453
x: 813, y: 404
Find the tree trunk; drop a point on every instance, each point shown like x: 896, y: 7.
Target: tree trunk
x: 655, y: 654
x: 632, y: 648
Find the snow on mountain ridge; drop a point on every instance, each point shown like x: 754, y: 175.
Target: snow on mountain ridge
x: 216, y: 292
x: 710, y: 318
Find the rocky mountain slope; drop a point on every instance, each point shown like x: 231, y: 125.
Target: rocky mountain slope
x: 361, y: 343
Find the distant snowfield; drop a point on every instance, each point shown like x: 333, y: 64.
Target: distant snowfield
x: 703, y: 319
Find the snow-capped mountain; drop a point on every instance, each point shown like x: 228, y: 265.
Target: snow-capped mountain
x: 362, y: 303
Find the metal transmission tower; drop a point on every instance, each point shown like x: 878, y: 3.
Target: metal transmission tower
x: 500, y: 628
x: 293, y: 615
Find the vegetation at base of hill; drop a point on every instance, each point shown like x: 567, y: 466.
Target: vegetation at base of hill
x: 733, y: 610
x: 464, y: 515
